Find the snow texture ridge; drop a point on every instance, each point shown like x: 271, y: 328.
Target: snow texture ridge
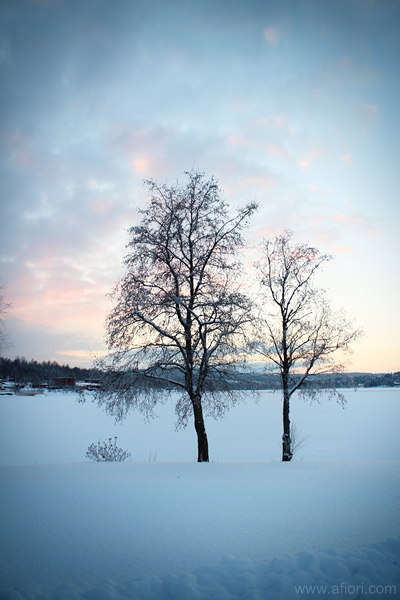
x: 367, y: 573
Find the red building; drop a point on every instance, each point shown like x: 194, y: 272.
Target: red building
x: 64, y: 381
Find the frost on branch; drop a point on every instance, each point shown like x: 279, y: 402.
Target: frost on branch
x: 103, y: 452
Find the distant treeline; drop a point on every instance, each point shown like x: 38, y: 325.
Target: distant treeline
x: 22, y: 371
x: 272, y: 381
x: 373, y: 380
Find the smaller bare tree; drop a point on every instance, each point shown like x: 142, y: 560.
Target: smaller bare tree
x: 301, y: 334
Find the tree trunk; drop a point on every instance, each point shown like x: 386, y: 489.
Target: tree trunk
x: 286, y: 441
x: 285, y: 370
x: 202, y: 442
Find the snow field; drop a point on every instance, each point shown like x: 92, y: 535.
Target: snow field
x: 74, y: 523
x: 55, y: 428
x: 73, y: 529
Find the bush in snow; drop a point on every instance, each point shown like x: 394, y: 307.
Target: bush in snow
x: 107, y: 452
x: 297, y: 441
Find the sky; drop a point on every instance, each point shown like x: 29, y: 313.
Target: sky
x: 292, y: 104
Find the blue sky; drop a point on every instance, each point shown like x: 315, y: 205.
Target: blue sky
x: 294, y: 104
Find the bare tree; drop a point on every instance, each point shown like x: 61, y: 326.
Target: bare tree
x: 301, y: 333
x: 180, y: 317
x: 4, y: 336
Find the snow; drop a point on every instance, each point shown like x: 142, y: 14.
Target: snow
x: 244, y: 526
x: 55, y: 428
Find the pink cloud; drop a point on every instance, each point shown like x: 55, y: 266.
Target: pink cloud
x: 101, y: 205
x: 328, y: 230
x: 236, y: 140
x: 142, y: 166
x: 51, y: 293
x: 326, y: 236
x: 310, y: 157
x: 279, y: 151
x: 270, y: 231
x: 78, y: 357
x: 259, y: 181
x: 342, y: 250
x: 70, y: 308
x: 261, y: 138
x: 146, y: 150
x: 317, y: 220
x: 346, y: 159
x: 25, y: 159
x: 364, y: 224
x: 342, y: 219
x: 270, y: 35
x: 14, y: 138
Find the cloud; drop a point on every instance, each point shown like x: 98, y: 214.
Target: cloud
x: 369, y: 113
x: 342, y: 250
x: 101, y: 205
x: 142, y: 166
x: 58, y: 292
x: 362, y: 223
x: 97, y: 98
x: 334, y: 230
x: 311, y: 156
x: 259, y: 181
x: 44, y: 342
x: 263, y: 141
x: 370, y: 110
x: 236, y: 140
x: 271, y: 35
x: 279, y: 151
x: 274, y: 122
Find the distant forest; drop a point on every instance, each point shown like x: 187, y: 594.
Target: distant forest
x: 22, y: 371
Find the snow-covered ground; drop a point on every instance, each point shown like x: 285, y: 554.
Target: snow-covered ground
x: 55, y: 428
x: 163, y: 526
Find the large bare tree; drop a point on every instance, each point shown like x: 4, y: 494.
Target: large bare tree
x: 180, y: 317
x: 301, y: 334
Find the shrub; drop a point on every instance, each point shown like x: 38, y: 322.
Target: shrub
x: 107, y: 452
